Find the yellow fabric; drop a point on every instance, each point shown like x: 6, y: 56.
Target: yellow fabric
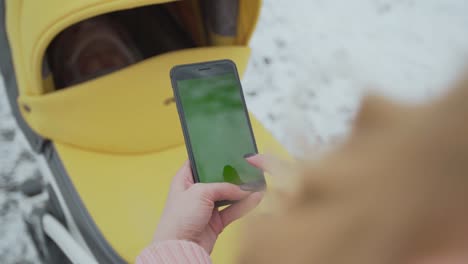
x: 219, y: 40
x: 31, y: 26
x: 123, y: 112
x: 48, y: 84
x: 249, y: 12
x: 125, y: 194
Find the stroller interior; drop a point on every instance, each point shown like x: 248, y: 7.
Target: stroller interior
x: 88, y: 82
x: 105, y: 43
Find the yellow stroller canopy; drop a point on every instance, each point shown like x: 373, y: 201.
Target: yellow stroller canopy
x: 114, y: 141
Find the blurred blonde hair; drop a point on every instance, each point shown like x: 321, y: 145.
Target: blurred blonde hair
x: 397, y: 190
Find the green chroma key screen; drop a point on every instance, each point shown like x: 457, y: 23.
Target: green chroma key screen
x: 218, y: 129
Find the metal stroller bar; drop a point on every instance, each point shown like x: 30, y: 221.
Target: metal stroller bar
x: 57, y: 232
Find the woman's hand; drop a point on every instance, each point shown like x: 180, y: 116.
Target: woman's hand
x: 190, y: 212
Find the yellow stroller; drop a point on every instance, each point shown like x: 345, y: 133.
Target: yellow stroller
x: 112, y: 143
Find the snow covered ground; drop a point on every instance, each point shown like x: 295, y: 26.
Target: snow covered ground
x: 312, y: 62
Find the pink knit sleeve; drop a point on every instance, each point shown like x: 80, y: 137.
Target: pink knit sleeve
x: 174, y: 252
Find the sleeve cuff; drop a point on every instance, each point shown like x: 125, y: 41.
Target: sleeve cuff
x: 174, y: 252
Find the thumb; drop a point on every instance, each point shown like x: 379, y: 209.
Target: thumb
x: 183, y: 178
x: 220, y: 191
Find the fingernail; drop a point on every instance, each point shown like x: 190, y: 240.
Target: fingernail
x: 248, y: 155
x: 253, y: 187
x: 245, y: 188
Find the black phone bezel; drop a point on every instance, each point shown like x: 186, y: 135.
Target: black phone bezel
x: 188, y: 71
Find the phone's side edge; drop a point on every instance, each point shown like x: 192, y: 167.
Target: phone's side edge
x: 183, y: 124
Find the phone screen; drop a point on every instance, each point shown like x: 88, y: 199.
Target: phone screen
x: 218, y: 129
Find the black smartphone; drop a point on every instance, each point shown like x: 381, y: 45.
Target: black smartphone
x: 216, y: 124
